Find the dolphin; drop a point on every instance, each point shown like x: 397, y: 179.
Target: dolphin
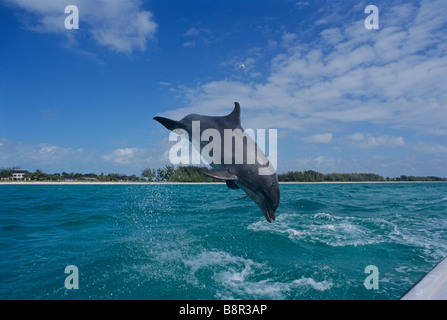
x: 257, y: 178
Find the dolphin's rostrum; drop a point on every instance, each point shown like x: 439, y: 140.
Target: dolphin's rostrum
x: 262, y: 188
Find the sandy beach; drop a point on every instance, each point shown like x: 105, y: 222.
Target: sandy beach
x: 184, y: 183
x: 97, y: 183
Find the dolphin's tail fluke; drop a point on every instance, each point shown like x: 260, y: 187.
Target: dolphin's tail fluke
x: 169, y: 124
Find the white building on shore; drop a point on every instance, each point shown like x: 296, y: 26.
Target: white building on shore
x: 18, y: 174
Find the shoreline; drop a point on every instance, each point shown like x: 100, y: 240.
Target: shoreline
x: 98, y: 183
x: 188, y: 183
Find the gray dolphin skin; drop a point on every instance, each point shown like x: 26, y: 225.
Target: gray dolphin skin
x: 263, y: 188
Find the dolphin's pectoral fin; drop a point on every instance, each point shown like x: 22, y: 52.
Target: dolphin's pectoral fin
x: 218, y: 174
x: 242, y: 197
x: 169, y: 124
x: 231, y: 184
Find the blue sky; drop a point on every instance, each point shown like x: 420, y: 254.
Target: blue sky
x: 343, y: 98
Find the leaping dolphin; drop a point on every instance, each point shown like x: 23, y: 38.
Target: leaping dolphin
x: 255, y: 176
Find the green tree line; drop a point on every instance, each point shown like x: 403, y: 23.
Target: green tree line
x: 314, y: 176
x: 192, y: 174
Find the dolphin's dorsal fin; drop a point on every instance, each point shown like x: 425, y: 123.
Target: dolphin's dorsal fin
x: 235, y: 115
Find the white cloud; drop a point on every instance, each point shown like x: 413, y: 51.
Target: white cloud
x: 189, y: 44
x: 52, y: 158
x: 196, y: 34
x: 332, y: 35
x: 121, y: 26
x: 131, y: 157
x: 35, y: 155
x: 301, y: 4
x: 319, y: 163
x: 394, y: 76
x: 192, y: 32
x: 358, y: 136
x: 288, y: 37
x: 319, y: 138
x: 430, y: 148
x: 359, y: 140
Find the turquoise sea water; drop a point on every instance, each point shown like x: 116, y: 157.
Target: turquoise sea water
x: 198, y: 242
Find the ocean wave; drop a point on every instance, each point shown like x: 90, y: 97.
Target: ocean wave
x: 239, y: 278
x: 192, y: 242
x: 329, y: 229
x: 428, y: 239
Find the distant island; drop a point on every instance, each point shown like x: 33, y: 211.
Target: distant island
x: 191, y: 174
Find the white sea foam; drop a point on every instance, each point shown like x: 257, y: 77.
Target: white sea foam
x: 432, y: 243
x: 269, y: 288
x: 320, y: 286
x: 237, y: 277
x: 329, y: 229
